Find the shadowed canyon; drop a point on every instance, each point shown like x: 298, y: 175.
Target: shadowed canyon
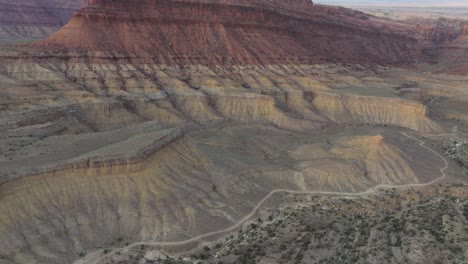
x: 177, y: 121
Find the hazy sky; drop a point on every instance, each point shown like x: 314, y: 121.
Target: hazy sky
x: 424, y: 3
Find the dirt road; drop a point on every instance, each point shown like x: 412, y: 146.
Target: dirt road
x: 268, y: 196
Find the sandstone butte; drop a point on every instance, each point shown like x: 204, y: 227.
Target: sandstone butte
x: 243, y: 32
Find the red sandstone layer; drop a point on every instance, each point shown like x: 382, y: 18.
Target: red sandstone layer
x: 213, y: 32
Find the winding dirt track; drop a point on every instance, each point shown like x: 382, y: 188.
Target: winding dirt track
x: 260, y: 203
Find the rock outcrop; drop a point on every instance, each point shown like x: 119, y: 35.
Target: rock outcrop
x: 452, y: 57
x: 373, y: 110
x: 230, y: 32
x: 254, y: 94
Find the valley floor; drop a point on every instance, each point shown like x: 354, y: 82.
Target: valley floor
x: 413, y: 225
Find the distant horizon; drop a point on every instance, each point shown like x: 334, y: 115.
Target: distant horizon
x: 395, y: 3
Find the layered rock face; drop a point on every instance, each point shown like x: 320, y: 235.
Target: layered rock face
x: 452, y: 57
x: 232, y: 32
x: 374, y: 110
x: 33, y: 19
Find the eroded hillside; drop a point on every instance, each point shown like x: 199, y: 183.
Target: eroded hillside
x: 165, y: 121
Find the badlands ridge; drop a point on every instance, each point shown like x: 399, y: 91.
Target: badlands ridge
x: 163, y: 120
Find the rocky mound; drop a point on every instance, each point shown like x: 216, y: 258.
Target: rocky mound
x: 233, y: 32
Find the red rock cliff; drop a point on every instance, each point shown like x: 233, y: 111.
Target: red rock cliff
x: 232, y: 32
